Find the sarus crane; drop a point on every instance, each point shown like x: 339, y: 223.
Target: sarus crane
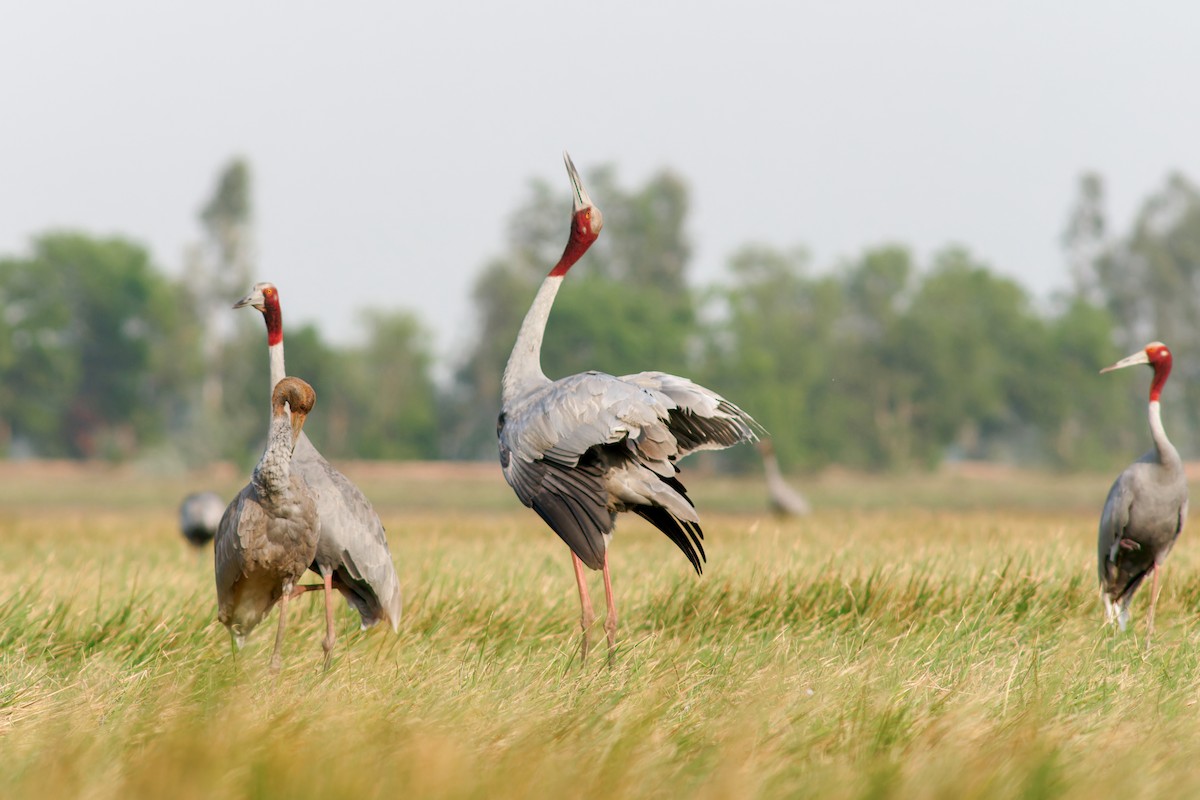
x: 268, y: 535
x: 1146, y: 507
x: 352, y: 553
x: 580, y: 449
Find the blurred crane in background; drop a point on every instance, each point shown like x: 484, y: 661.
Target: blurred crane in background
x: 785, y: 501
x: 199, y: 515
x: 580, y: 449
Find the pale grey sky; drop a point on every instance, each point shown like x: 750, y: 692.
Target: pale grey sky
x: 390, y: 141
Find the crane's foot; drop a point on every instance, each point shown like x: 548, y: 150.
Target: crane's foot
x: 583, y: 644
x: 610, y: 629
x: 327, y: 646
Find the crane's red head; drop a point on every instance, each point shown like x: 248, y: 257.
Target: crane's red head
x: 586, y: 222
x: 1156, y: 355
x: 265, y: 297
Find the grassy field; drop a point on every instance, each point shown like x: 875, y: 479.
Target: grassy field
x: 932, y: 637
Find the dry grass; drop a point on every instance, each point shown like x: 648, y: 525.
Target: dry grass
x: 877, y: 649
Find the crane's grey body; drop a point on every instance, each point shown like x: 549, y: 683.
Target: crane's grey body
x: 268, y: 535
x: 1143, y: 517
x: 199, y: 515
x: 785, y: 501
x: 352, y: 554
x: 583, y: 448
x: 1146, y: 508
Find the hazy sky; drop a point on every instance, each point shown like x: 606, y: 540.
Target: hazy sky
x: 390, y: 141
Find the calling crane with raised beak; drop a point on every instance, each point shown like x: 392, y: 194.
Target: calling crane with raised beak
x: 581, y: 449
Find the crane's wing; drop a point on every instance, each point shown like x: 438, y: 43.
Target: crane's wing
x: 573, y: 501
x: 1113, y: 521
x: 228, y: 554
x: 353, y: 540
x: 699, y: 418
x: 662, y: 417
x: 558, y: 444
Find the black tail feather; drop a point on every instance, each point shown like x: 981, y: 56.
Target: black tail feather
x: 686, y: 535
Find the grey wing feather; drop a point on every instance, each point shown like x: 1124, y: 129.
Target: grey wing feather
x: 353, y: 543
x: 665, y: 417
x: 573, y: 501
x: 700, y: 418
x: 563, y: 446
x: 228, y: 561
x: 565, y: 419
x: 1113, y: 522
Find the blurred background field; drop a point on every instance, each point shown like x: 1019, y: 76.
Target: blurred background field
x: 479, y: 486
x: 915, y: 637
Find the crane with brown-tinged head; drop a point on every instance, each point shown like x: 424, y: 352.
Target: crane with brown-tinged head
x: 268, y: 535
x: 1146, y: 507
x: 352, y: 556
x: 580, y: 449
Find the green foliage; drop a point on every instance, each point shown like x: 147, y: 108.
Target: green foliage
x: 1148, y: 280
x: 389, y: 405
x: 375, y: 400
x: 97, y: 347
x: 880, y: 363
x: 880, y: 366
x: 777, y: 333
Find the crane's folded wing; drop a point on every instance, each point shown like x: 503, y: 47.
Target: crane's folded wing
x: 572, y: 500
x: 700, y: 419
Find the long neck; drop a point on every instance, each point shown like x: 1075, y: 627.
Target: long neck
x: 1167, y: 454
x: 273, y: 317
x: 525, y: 363
x: 275, y: 353
x: 273, y: 473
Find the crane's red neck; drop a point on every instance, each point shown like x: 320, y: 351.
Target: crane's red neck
x: 1160, y: 359
x: 585, y: 228
x: 273, y: 316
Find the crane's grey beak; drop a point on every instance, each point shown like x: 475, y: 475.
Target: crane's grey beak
x: 255, y: 298
x: 1140, y: 357
x: 580, y: 198
x: 297, y: 419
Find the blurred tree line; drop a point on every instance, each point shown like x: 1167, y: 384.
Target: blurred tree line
x: 878, y: 363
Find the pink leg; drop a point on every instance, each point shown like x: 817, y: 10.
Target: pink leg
x: 610, y: 622
x: 276, y: 658
x: 1155, y: 588
x: 330, y: 636
x: 588, y: 616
